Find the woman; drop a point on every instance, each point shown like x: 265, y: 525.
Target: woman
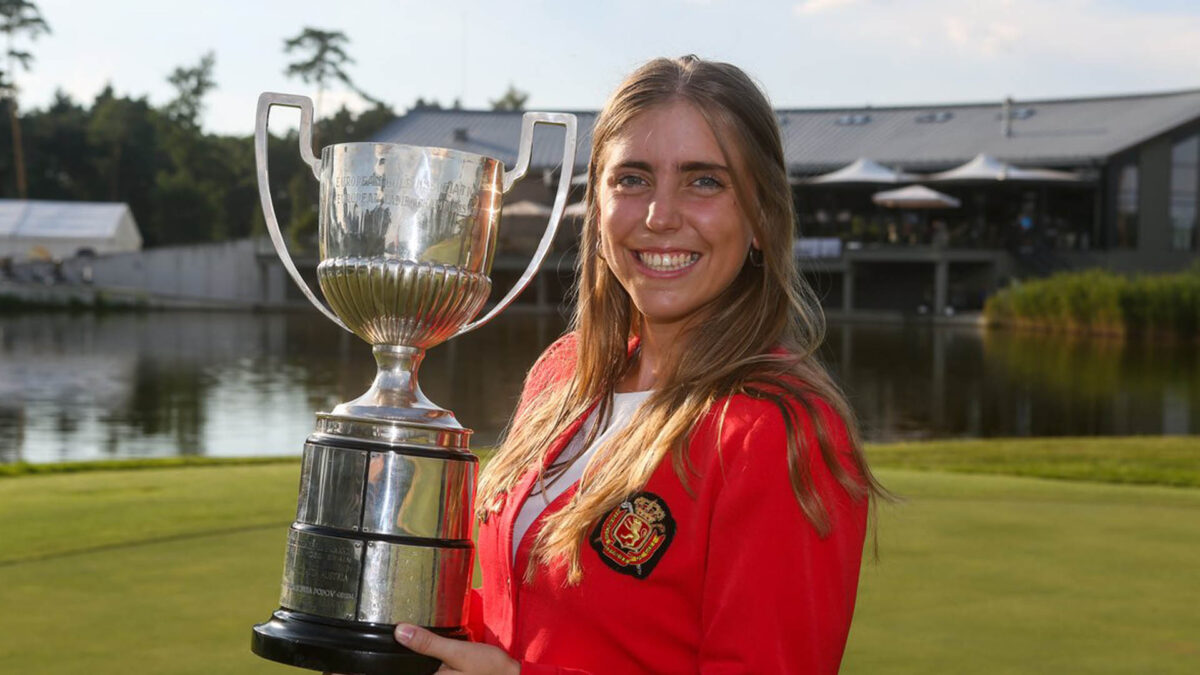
x: 682, y: 489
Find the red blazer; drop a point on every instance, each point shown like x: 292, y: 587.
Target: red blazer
x: 730, y: 579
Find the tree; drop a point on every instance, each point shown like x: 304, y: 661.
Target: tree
x: 422, y: 104
x: 513, y: 99
x: 125, y: 136
x: 180, y: 119
x: 325, y: 62
x: 18, y: 18
x: 60, y: 161
x: 191, y: 85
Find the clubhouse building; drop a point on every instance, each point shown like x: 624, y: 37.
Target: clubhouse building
x: 928, y: 208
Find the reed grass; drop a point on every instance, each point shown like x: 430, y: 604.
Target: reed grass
x: 1101, y: 302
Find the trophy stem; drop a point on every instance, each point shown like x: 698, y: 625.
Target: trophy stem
x: 395, y: 394
x: 396, y: 379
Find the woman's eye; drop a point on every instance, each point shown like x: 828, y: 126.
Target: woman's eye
x: 630, y: 180
x: 707, y: 182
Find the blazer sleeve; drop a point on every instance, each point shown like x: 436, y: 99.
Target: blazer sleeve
x: 554, y: 365
x: 778, y: 597
x: 475, y: 624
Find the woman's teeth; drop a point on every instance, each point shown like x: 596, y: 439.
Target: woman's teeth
x: 667, y: 262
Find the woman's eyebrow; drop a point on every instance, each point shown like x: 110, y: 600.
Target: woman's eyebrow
x: 685, y: 166
x: 703, y: 166
x: 634, y: 164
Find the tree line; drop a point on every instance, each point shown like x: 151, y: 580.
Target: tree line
x: 182, y: 184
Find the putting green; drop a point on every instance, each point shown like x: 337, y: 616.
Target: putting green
x: 164, y: 571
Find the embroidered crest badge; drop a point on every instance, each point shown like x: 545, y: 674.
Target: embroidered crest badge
x: 633, y: 537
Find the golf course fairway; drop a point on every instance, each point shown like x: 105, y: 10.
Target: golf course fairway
x: 164, y: 570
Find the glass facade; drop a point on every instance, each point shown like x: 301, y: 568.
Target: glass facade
x: 1185, y: 192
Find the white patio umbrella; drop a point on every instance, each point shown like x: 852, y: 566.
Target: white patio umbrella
x: 861, y: 170
x: 527, y: 207
x: 984, y: 167
x: 915, y: 197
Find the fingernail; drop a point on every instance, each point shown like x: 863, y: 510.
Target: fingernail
x: 404, y: 633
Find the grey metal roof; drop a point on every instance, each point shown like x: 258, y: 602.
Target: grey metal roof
x: 60, y: 220
x: 1062, y: 132
x: 485, y: 132
x: 1067, y: 132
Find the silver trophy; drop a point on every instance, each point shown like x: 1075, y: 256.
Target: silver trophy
x: 387, y: 484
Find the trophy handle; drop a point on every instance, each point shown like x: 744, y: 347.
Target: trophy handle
x: 265, y: 101
x: 528, y: 121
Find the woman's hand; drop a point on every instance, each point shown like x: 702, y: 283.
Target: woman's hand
x: 458, y: 657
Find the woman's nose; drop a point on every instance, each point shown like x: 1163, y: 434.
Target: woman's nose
x: 663, y: 213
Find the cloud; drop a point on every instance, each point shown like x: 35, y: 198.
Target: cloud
x: 817, y: 6
x: 334, y: 99
x: 985, y: 37
x: 1077, y: 31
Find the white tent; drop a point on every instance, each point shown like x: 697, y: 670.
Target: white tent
x: 915, y: 197
x: 861, y: 170
x: 984, y: 167
x: 46, y: 229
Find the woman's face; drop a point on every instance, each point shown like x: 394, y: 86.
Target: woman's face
x: 671, y: 228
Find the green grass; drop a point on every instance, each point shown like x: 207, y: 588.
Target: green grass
x: 73, y: 514
x: 165, y: 570
x: 1144, y: 460
x: 998, y: 575
x: 154, y: 571
x: 25, y: 468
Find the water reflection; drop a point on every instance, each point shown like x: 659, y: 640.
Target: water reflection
x: 96, y: 386
x: 920, y: 381
x: 99, y: 386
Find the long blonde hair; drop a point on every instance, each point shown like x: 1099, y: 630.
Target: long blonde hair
x: 758, y: 337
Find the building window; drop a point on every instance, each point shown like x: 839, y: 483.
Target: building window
x: 1185, y: 192
x: 1127, y: 207
x: 852, y: 120
x: 937, y: 117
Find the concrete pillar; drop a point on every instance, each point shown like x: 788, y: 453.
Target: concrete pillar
x: 848, y: 288
x: 847, y: 362
x: 941, y: 285
x: 541, y: 290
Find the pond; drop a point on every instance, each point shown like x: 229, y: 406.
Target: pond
x: 96, y: 386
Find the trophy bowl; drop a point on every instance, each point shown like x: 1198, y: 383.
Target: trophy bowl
x: 387, y: 482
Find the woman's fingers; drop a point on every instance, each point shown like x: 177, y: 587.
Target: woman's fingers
x: 458, y: 657
x: 421, y: 641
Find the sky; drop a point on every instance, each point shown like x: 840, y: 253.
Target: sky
x: 569, y: 55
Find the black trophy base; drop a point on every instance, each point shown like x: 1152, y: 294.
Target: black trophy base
x: 306, y: 641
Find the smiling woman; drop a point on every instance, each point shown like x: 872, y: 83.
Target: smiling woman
x: 682, y: 489
x: 671, y: 227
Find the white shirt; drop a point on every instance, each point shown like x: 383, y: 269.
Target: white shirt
x: 624, y: 405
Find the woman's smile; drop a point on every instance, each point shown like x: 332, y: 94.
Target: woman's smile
x: 666, y: 263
